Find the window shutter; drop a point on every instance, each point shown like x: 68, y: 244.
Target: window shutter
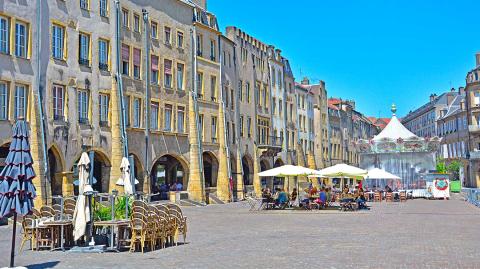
x: 136, y: 57
x: 125, y: 52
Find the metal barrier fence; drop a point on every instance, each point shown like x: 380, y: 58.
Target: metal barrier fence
x: 473, y: 196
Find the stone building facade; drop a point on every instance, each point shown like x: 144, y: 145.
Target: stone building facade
x: 453, y: 128
x: 158, y: 83
x: 472, y: 91
x: 346, y: 127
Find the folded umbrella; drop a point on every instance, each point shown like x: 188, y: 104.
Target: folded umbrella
x: 16, y: 188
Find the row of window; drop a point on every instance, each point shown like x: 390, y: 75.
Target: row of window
x: 103, y: 7
x: 14, y: 37
x: 59, y: 47
x: 19, y: 94
x: 453, y: 150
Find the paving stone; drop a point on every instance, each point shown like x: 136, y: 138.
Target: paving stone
x: 416, y: 234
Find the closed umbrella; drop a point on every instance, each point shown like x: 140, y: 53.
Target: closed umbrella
x: 81, y: 216
x: 124, y: 180
x: 16, y: 189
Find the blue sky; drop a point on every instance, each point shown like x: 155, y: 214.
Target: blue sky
x: 373, y: 51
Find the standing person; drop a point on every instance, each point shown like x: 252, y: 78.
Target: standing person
x: 179, y: 186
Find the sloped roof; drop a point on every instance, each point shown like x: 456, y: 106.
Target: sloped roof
x: 379, y: 122
x: 394, y: 130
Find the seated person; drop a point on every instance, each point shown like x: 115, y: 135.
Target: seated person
x: 313, y: 191
x: 293, y: 196
x: 361, y: 199
x: 306, y: 199
x: 282, y: 198
x: 322, y: 198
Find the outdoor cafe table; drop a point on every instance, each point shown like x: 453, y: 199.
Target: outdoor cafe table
x: 56, y: 223
x: 112, y: 224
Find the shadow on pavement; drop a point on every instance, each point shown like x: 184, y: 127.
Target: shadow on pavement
x: 43, y: 265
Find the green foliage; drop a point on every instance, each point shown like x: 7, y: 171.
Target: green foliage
x: 453, y: 168
x: 104, y: 211
x: 441, y: 166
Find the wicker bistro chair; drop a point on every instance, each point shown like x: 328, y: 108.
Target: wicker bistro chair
x: 140, y: 230
x: 169, y: 225
x: 181, y: 221
x: 29, y: 232
x: 388, y: 197
x: 181, y: 225
x: 46, y: 236
x: 377, y: 196
x: 403, y: 196
x: 162, y: 232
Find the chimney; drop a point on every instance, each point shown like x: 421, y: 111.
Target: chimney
x: 461, y: 90
x: 478, y: 59
x: 451, y: 96
x: 305, y: 81
x: 462, y: 105
x: 278, y: 54
x: 432, y: 97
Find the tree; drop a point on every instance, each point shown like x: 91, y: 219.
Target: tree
x: 454, y: 169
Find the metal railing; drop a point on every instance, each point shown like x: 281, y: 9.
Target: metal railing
x: 270, y: 141
x: 473, y: 196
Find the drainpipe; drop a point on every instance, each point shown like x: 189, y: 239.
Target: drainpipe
x: 222, y: 103
x: 118, y: 78
x: 195, y: 100
x: 40, y: 98
x: 147, y: 92
x: 237, y: 119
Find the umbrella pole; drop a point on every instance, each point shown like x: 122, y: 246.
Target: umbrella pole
x: 12, y: 252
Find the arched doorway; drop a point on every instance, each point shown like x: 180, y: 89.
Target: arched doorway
x: 167, y: 170
x: 210, y: 169
x: 55, y: 167
x: 3, y: 154
x: 247, y: 167
x: 278, y: 181
x: 101, y: 172
x: 264, y: 165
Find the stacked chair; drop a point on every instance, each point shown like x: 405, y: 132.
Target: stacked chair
x: 156, y: 225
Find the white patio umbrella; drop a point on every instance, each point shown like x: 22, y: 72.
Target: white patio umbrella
x: 288, y: 171
x: 377, y: 173
x: 82, y: 211
x: 342, y: 171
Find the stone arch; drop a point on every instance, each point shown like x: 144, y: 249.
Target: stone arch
x: 139, y: 172
x: 101, y: 170
x: 247, y: 167
x: 265, y: 165
x: 4, y: 148
x: 56, y: 166
x: 278, y: 162
x: 210, y: 169
x: 168, y: 169
x: 233, y: 165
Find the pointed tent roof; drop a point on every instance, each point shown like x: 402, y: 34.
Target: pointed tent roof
x: 395, y: 130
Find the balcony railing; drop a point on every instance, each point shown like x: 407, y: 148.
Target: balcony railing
x: 103, y: 66
x: 473, y: 128
x: 270, y: 141
x: 475, y: 155
x: 84, y: 62
x: 83, y: 121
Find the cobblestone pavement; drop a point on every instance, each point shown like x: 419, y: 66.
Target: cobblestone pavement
x: 416, y: 234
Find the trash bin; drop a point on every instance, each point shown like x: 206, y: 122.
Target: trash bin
x: 455, y: 186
